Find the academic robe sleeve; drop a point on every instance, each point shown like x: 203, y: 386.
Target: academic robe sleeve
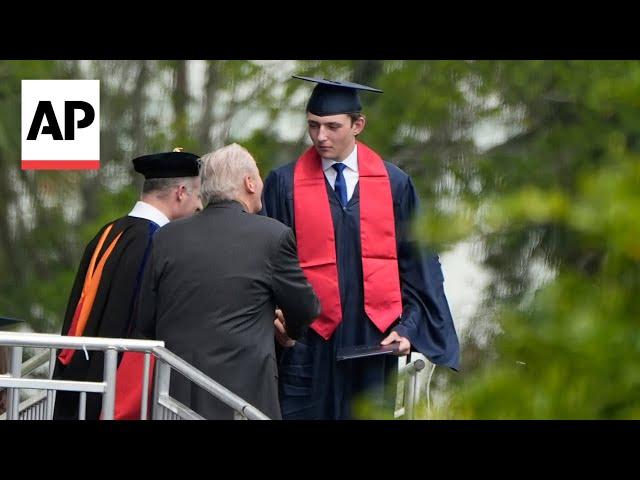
x: 145, y: 315
x: 114, y: 307
x: 274, y: 199
x: 111, y: 312
x: 293, y: 293
x: 426, y: 318
x: 76, y: 289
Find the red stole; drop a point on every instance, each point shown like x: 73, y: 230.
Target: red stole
x: 316, y: 240
x: 129, y: 378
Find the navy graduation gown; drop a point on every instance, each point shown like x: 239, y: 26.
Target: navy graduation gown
x: 312, y: 384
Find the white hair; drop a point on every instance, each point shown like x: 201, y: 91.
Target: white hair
x: 223, y: 171
x: 161, y: 187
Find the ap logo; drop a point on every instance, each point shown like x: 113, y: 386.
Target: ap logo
x: 60, y: 124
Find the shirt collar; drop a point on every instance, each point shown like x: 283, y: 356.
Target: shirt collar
x: 149, y: 212
x: 350, y: 162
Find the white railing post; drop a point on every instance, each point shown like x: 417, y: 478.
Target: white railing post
x: 14, y: 394
x: 51, y: 394
x: 160, y: 387
x: 109, y: 398
x: 144, y: 404
x: 410, y: 377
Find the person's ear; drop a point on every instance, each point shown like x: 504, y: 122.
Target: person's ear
x: 249, y: 184
x: 358, y: 125
x: 181, y: 191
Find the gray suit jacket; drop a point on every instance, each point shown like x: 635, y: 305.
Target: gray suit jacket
x: 209, y: 291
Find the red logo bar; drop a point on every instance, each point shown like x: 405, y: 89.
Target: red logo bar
x: 60, y: 164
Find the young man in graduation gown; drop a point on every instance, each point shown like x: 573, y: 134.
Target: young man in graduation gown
x: 103, y: 295
x: 351, y: 212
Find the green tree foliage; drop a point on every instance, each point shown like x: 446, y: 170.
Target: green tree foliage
x: 35, y: 254
x: 562, y: 194
x: 568, y: 351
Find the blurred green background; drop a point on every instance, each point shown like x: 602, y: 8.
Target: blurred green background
x: 529, y: 176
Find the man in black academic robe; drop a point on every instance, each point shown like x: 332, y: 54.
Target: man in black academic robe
x: 313, y: 384
x: 171, y: 191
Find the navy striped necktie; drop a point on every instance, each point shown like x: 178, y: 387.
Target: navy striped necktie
x: 341, y: 184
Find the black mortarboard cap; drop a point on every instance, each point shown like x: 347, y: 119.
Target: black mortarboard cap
x: 168, y: 165
x: 6, y: 322
x: 331, y: 97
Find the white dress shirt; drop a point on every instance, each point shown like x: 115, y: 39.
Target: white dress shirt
x: 149, y: 212
x: 350, y: 173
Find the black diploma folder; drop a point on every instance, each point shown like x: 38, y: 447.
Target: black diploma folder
x: 359, y: 351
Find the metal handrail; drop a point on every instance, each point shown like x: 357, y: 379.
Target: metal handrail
x: 162, y: 401
x: 182, y: 411
x: 47, y: 340
x: 167, y: 361
x: 412, y: 368
x: 34, y: 362
x: 409, y: 373
x: 221, y: 393
x: 110, y: 346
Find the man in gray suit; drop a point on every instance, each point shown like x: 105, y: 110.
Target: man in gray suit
x: 212, y: 284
